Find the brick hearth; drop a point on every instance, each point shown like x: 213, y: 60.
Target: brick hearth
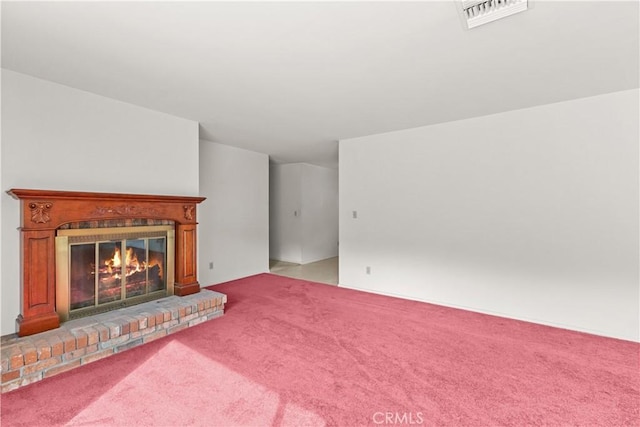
x: 77, y: 342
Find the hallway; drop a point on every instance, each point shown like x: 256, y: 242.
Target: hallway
x: 324, y: 271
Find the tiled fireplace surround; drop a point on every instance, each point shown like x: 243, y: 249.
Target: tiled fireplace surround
x: 43, y: 347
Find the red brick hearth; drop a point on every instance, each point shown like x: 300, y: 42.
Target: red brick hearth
x: 26, y: 360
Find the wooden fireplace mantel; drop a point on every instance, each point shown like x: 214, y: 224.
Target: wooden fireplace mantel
x: 44, y: 211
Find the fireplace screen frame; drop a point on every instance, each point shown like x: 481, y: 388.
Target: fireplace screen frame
x: 66, y: 238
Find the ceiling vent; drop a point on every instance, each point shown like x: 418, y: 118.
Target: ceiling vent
x: 479, y: 12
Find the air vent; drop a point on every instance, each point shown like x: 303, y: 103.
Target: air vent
x: 479, y: 12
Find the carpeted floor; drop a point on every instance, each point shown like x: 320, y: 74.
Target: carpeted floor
x: 289, y: 352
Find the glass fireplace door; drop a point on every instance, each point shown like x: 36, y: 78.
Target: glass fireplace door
x: 115, y: 270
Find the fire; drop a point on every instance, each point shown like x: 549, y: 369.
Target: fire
x: 131, y: 262
x: 116, y: 261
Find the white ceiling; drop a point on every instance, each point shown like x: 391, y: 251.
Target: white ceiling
x: 290, y: 79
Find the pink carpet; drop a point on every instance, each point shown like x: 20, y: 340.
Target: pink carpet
x: 289, y: 352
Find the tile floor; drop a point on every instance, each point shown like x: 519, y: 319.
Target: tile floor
x: 325, y: 271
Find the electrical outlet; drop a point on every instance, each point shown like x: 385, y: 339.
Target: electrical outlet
x: 210, y: 265
x: 368, y: 270
x: 354, y: 214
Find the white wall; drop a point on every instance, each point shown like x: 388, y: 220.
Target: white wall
x: 1, y: 200
x: 58, y: 138
x: 234, y: 220
x: 303, y: 213
x: 285, y: 206
x: 319, y: 213
x: 530, y: 214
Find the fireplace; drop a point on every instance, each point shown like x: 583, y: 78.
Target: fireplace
x: 85, y: 253
x: 103, y: 269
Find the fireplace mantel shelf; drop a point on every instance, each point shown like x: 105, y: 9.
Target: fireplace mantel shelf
x: 45, y: 211
x: 78, y: 195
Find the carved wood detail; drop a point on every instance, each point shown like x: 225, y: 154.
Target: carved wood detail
x: 40, y: 212
x: 39, y: 222
x: 188, y: 211
x: 125, y: 210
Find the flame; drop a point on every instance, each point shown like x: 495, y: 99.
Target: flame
x: 132, y: 263
x: 115, y: 261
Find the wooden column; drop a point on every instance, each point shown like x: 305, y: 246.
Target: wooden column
x: 44, y: 211
x: 38, y: 278
x: 186, y: 267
